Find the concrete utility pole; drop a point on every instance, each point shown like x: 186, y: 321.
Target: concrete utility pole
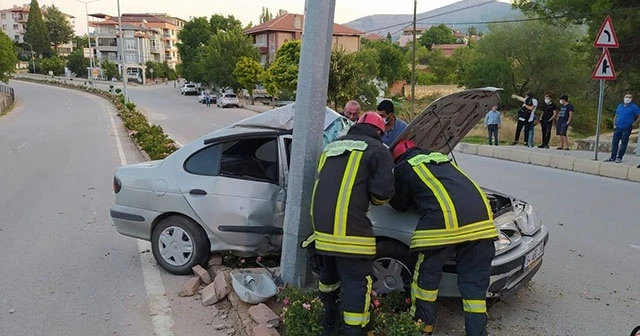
x: 91, y: 61
x: 310, y: 107
x: 413, y: 61
x: 122, y: 58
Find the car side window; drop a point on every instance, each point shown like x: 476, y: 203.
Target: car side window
x: 251, y: 159
x: 206, y: 161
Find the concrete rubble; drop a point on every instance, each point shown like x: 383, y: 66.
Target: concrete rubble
x: 190, y: 287
x: 202, y: 273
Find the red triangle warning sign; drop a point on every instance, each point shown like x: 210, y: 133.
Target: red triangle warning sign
x: 606, y: 37
x: 604, y: 70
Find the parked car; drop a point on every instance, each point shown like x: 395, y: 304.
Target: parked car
x: 226, y: 191
x: 228, y: 99
x: 188, y: 89
x: 212, y: 97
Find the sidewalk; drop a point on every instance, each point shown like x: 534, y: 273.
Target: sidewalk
x: 257, y: 108
x: 574, y: 160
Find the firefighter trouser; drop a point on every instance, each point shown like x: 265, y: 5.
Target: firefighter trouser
x: 353, y: 277
x: 473, y: 264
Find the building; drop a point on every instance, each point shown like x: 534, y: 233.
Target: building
x: 147, y: 37
x: 13, y: 22
x: 268, y: 37
x: 447, y: 49
x: 407, y: 35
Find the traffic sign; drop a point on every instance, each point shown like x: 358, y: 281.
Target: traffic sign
x: 606, y: 37
x: 604, y: 70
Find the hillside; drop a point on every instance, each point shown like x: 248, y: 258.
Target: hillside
x: 455, y: 15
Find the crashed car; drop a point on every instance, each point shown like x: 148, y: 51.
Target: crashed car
x: 226, y: 191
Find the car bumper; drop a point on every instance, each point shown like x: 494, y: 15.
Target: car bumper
x: 508, y: 274
x: 133, y: 222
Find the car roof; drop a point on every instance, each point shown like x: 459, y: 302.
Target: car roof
x: 281, y: 119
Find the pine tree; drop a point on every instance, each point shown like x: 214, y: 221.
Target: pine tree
x: 36, y: 32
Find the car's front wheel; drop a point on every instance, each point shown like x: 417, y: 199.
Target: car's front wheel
x: 392, y: 267
x: 178, y: 244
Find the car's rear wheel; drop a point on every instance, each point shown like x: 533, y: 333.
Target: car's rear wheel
x: 392, y: 267
x: 178, y: 244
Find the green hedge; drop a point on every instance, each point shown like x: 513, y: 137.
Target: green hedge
x: 150, y: 138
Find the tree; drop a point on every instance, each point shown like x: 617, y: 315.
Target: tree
x: 625, y: 17
x: 36, y: 32
x: 81, y: 41
x: 60, y: 30
x: 110, y: 70
x: 344, y: 73
x: 248, y: 72
x: 393, y: 65
x: 54, y: 64
x: 220, y: 55
x: 265, y: 15
x: 77, y: 64
x: 472, y: 31
x: 195, y: 34
x: 269, y: 83
x: 440, y: 34
x: 8, y: 57
x: 285, y: 67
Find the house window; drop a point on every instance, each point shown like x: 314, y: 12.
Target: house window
x: 4, y: 27
x: 17, y: 38
x: 3, y: 16
x: 261, y: 39
x: 130, y: 45
x: 131, y: 58
x: 15, y: 27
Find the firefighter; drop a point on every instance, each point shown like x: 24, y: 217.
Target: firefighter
x: 456, y: 219
x: 353, y: 171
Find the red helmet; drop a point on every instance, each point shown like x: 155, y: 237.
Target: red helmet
x: 373, y: 119
x: 402, y: 147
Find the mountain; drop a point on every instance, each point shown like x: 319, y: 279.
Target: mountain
x: 460, y: 16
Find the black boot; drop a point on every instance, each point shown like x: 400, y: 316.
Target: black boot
x: 330, y: 319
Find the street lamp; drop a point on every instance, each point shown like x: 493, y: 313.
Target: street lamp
x: 122, y: 58
x: 91, y: 62
x: 32, y: 58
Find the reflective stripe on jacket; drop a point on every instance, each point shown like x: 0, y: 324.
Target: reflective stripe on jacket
x: 453, y: 207
x: 352, y: 172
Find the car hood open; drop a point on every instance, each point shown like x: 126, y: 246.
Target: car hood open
x: 443, y: 124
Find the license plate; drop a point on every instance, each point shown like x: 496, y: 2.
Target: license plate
x: 533, y: 256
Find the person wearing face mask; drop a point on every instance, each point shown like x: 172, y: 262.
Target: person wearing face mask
x: 627, y: 116
x: 352, y: 110
x: 565, y: 114
x: 549, y: 113
x: 394, y: 126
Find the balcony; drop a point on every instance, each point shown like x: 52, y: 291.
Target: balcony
x: 154, y: 49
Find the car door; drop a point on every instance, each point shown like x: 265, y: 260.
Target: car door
x: 236, y: 195
x: 284, y: 150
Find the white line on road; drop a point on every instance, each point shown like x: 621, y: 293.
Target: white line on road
x: 157, y: 300
x: 21, y: 146
x: 635, y: 246
x: 41, y: 133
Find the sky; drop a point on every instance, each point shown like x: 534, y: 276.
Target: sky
x: 246, y: 10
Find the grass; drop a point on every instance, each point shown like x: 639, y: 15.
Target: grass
x: 478, y: 135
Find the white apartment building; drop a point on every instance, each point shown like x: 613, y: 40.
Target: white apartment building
x: 13, y: 22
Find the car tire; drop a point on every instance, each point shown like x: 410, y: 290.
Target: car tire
x: 173, y: 234
x: 392, y: 267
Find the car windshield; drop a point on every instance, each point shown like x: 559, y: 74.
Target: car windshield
x: 191, y: 86
x: 230, y: 96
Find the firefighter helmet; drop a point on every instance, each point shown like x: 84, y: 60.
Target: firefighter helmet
x: 373, y: 119
x: 402, y: 147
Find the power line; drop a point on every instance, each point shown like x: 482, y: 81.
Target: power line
x: 553, y: 17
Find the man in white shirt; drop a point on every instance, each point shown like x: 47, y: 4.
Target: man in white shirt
x: 530, y: 104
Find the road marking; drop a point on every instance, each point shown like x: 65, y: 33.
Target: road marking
x: 157, y: 299
x: 21, y: 146
x: 41, y: 133
x: 178, y: 143
x: 635, y: 246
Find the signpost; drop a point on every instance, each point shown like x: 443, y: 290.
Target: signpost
x: 605, y: 39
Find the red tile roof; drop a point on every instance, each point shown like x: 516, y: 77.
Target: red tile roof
x: 286, y: 23
x: 447, y: 49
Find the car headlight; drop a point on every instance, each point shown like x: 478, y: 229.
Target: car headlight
x: 508, y: 235
x: 528, y: 220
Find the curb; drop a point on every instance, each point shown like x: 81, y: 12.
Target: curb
x: 617, y: 171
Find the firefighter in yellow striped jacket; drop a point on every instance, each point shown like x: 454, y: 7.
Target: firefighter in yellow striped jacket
x: 354, y: 171
x: 456, y: 219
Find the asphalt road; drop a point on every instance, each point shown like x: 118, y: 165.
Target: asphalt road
x: 65, y: 269
x: 588, y: 284
x: 182, y: 117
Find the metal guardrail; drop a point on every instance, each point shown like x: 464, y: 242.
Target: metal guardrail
x: 6, y: 103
